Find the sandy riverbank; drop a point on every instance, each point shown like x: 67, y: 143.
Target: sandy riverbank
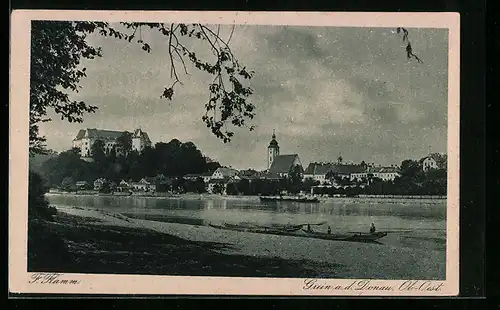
x: 203, y: 250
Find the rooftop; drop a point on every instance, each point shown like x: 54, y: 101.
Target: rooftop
x: 441, y: 159
x: 347, y: 169
x: 138, y: 133
x: 383, y: 170
x: 94, y: 133
x: 283, y: 163
x: 227, y: 172
x: 318, y: 168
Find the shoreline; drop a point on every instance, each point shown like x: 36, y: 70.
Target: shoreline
x: 93, y: 239
x: 389, y: 199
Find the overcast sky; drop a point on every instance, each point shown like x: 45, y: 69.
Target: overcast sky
x: 325, y: 90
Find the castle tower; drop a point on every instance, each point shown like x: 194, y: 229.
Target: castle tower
x: 273, y: 150
x: 140, y: 140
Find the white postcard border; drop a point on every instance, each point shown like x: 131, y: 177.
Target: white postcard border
x: 20, y: 281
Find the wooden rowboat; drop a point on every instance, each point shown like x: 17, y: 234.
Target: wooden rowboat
x: 304, y: 233
x: 258, y: 230
x: 356, y: 236
x: 271, y: 227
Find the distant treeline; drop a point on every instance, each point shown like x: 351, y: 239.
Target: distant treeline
x: 413, y: 181
x: 171, y: 159
x: 176, y: 159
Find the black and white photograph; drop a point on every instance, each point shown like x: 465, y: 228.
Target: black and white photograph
x: 213, y: 147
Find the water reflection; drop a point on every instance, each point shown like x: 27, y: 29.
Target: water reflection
x: 341, y: 216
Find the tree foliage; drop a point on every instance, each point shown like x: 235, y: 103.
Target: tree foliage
x: 97, y: 151
x: 58, y: 48
x: 56, y: 51
x: 219, y: 188
x: 295, y: 179
x: 124, y: 143
x: 38, y: 206
x: 172, y: 159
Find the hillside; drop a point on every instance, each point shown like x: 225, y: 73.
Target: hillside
x: 36, y: 161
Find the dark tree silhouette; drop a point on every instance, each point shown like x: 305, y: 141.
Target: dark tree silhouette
x: 56, y: 51
x: 124, y: 143
x: 97, y: 150
x: 38, y: 206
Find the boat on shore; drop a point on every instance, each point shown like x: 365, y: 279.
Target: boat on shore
x: 288, y: 198
x: 288, y: 226
x: 258, y: 230
x: 357, y: 236
x: 273, y: 227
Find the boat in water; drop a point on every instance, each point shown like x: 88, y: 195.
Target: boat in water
x: 289, y: 198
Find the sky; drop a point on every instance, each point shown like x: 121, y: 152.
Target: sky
x: 325, y: 90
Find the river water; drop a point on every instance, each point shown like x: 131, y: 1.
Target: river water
x: 413, y: 225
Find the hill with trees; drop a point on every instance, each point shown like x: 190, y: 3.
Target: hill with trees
x: 172, y: 159
x: 36, y: 161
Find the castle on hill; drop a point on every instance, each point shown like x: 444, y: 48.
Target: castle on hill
x: 87, y: 137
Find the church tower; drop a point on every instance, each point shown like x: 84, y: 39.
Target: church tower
x: 273, y: 150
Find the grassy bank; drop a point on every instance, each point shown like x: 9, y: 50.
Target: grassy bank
x: 98, y: 241
x: 74, y: 244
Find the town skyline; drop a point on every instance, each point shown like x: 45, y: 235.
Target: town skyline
x: 369, y: 104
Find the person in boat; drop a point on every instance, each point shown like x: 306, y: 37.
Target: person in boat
x: 329, y: 231
x: 308, y: 227
x: 372, y: 229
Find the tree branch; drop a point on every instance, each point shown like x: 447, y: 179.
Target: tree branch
x: 231, y: 35
x: 184, y: 49
x: 215, y: 49
x: 173, y: 71
x: 409, y: 50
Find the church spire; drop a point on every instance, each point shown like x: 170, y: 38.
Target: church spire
x: 273, y: 150
x: 273, y: 143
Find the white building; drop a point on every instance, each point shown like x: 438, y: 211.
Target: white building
x: 329, y: 173
x: 434, y: 161
x: 87, y: 137
x: 99, y: 183
x: 318, y: 172
x: 383, y: 173
x: 225, y: 173
x: 140, y: 140
x: 206, y: 176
